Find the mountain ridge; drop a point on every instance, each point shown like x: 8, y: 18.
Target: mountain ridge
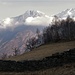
x: 23, y: 19
x: 14, y: 31
x: 35, y: 17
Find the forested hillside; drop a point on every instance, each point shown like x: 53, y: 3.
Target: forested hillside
x: 63, y: 30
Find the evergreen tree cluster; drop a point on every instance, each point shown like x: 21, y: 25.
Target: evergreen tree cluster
x: 60, y: 30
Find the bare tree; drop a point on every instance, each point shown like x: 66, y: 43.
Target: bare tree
x: 16, y: 51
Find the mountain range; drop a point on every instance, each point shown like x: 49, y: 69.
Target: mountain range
x: 15, y: 31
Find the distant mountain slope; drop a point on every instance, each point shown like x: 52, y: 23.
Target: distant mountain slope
x: 14, y: 30
x: 11, y: 39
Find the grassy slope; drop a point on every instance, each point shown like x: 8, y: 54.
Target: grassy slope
x: 44, y: 51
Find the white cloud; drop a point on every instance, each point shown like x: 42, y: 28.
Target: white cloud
x: 37, y: 21
x: 29, y: 19
x: 7, y: 21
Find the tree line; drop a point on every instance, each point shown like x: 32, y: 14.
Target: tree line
x: 60, y: 30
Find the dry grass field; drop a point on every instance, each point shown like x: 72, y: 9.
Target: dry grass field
x: 44, y: 51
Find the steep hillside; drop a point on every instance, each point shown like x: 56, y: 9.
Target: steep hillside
x: 44, y: 51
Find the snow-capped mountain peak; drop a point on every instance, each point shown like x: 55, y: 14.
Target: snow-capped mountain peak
x: 36, y: 18
x: 67, y: 12
x: 29, y: 13
x: 33, y: 13
x: 30, y: 17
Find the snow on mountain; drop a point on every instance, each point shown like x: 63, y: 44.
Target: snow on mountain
x: 7, y: 22
x: 65, y: 13
x: 30, y: 17
x: 24, y: 27
x: 33, y: 13
x: 15, y: 31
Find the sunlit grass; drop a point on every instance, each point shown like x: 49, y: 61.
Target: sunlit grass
x: 44, y: 51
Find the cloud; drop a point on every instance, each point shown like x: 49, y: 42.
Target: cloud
x: 38, y: 21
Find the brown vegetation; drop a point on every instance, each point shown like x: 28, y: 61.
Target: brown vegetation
x: 44, y: 51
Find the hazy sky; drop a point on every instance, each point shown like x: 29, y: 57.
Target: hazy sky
x: 12, y: 8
